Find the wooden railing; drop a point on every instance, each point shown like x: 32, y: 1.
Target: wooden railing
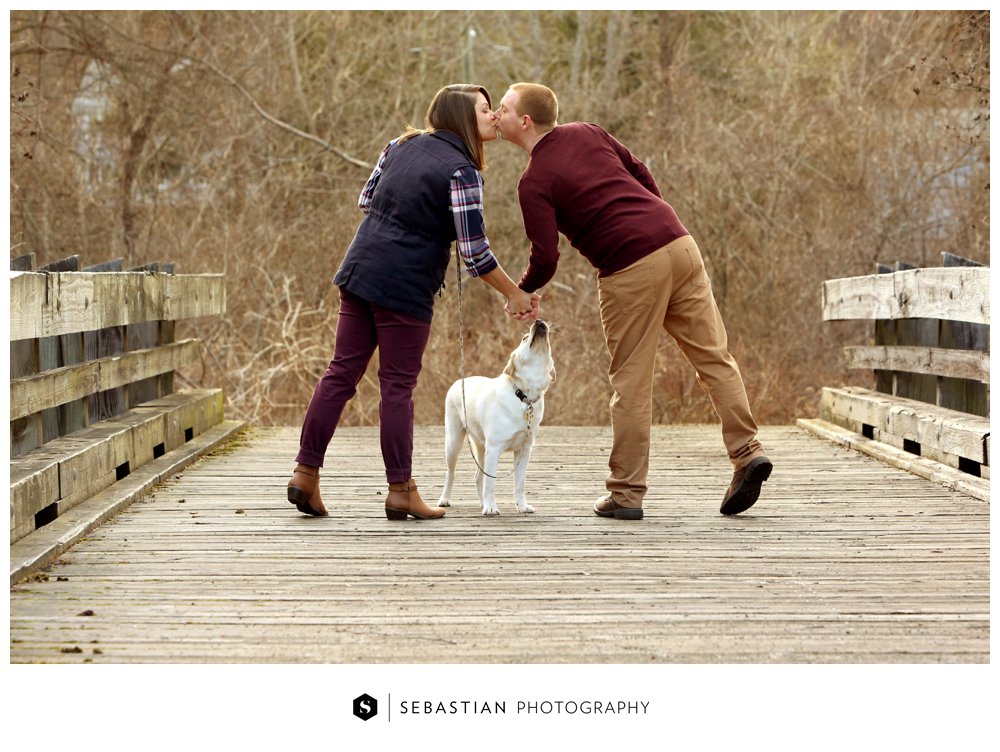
x: 931, y: 369
x: 91, y: 392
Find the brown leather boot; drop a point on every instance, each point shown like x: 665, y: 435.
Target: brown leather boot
x: 303, y: 491
x: 404, y: 499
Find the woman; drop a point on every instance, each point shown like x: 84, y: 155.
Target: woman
x: 424, y: 194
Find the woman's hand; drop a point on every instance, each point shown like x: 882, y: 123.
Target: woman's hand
x: 520, y: 305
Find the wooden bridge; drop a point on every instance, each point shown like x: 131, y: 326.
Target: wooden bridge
x: 194, y: 555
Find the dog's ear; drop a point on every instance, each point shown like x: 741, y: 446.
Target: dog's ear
x: 510, y: 369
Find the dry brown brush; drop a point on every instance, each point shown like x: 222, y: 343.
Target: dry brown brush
x: 796, y: 147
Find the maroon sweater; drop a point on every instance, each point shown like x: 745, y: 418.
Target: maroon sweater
x: 582, y: 182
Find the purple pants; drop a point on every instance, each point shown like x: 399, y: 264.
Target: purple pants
x: 401, y: 339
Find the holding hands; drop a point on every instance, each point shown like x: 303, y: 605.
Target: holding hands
x: 520, y: 305
x: 523, y: 306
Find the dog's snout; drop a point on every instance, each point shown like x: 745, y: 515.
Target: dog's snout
x: 539, y: 335
x: 539, y: 329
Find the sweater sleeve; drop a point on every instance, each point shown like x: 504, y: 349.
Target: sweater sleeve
x: 540, y: 227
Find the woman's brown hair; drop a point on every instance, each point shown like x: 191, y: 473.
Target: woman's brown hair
x: 454, y: 109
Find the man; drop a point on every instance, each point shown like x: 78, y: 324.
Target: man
x: 582, y: 182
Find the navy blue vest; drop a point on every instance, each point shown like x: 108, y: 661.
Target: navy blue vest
x: 399, y: 256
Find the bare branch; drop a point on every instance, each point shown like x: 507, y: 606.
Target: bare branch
x: 277, y: 121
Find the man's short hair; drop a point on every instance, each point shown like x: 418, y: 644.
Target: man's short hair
x: 537, y: 102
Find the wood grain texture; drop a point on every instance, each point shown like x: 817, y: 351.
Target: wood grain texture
x: 948, y: 431
x: 843, y: 560
x: 45, y: 305
x: 71, y: 469
x: 935, y: 361
x: 959, y: 294
x: 31, y: 394
x: 885, y: 449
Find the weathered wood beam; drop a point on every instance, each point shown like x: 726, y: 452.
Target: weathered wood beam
x: 71, y: 469
x: 935, y: 361
x: 44, y: 305
x: 32, y: 394
x: 960, y: 294
x: 947, y: 431
x: 930, y: 469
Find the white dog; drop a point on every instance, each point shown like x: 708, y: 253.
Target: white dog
x: 500, y: 415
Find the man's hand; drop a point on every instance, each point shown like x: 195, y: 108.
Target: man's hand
x: 523, y: 306
x: 520, y: 305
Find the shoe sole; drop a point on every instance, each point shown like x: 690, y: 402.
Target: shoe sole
x: 398, y: 515
x: 622, y: 514
x: 297, y: 497
x: 749, y: 491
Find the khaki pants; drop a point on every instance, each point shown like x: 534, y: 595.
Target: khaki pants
x: 667, y: 289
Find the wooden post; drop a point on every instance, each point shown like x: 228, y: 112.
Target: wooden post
x: 138, y: 337
x: 55, y: 352
x: 25, y: 433
x: 166, y: 336
x: 885, y: 335
x: 24, y: 263
x: 99, y: 344
x: 963, y: 394
x: 920, y: 332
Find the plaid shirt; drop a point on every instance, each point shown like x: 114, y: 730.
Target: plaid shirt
x: 467, y: 208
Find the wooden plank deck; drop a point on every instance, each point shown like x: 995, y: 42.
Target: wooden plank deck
x: 843, y: 560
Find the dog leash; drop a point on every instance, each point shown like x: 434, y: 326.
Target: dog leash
x: 461, y: 370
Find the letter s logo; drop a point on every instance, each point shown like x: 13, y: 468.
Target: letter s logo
x: 365, y: 707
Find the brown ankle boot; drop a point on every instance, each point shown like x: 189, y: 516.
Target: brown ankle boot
x: 404, y: 499
x: 303, y: 491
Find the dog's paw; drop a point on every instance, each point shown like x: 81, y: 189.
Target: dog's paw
x: 490, y: 510
x: 443, y: 502
x: 525, y: 509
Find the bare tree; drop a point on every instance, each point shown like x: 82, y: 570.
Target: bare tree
x: 796, y: 146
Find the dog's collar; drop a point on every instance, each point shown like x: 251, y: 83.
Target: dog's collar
x: 524, y: 397
x: 529, y: 411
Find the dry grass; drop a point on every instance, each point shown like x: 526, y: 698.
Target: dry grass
x: 796, y: 147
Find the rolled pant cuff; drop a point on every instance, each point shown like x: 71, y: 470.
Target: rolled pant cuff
x: 628, y: 501
x: 309, y: 459
x: 398, y: 476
